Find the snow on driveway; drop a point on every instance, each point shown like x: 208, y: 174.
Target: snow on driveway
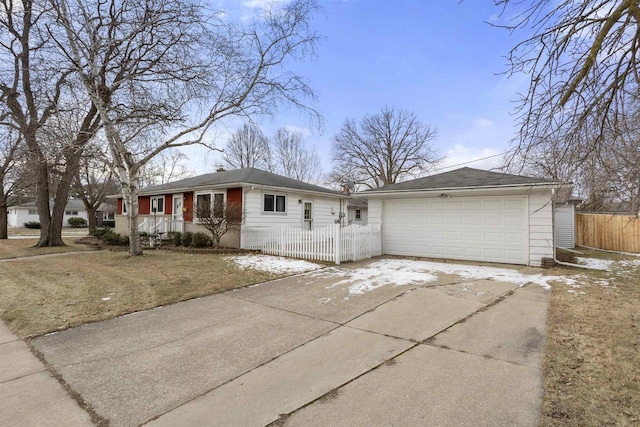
x: 401, y: 272
x: 274, y: 264
x: 396, y: 272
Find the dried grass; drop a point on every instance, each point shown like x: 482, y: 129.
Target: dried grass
x: 53, y: 293
x: 591, y: 375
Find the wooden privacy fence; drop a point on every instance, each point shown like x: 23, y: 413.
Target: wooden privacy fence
x: 611, y: 232
x: 333, y: 243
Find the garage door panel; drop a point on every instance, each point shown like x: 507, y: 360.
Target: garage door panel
x: 482, y: 229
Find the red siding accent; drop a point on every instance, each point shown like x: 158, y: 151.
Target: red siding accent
x: 234, y: 198
x: 144, y: 205
x: 119, y: 208
x: 188, y: 203
x: 168, y: 204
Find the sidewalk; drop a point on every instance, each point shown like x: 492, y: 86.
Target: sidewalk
x: 29, y: 395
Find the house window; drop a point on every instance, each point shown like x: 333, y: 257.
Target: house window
x: 108, y: 216
x: 358, y: 214
x: 33, y: 212
x: 203, y: 205
x: 206, y: 203
x: 274, y: 203
x: 157, y: 204
x: 71, y: 212
x: 124, y: 207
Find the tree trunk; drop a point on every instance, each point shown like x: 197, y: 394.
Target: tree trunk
x: 42, y: 194
x: 3, y: 221
x: 131, y: 197
x: 91, y: 218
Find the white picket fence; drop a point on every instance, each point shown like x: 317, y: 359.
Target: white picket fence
x: 163, y: 225
x: 333, y: 243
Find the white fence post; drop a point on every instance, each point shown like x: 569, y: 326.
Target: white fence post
x: 337, y: 244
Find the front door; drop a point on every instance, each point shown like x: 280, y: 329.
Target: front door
x: 178, y: 204
x: 308, y: 215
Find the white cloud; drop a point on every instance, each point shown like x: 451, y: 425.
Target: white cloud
x: 263, y: 4
x: 484, y: 123
x: 480, y: 158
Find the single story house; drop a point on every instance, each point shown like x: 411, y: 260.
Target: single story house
x: 357, y: 211
x: 28, y: 212
x: 467, y: 214
x: 264, y: 198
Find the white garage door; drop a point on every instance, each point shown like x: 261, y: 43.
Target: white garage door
x: 467, y: 228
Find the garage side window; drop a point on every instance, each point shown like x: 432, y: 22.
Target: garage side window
x: 274, y: 203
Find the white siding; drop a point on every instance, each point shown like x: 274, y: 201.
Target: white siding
x: 540, y: 227
x: 18, y: 216
x: 351, y: 215
x: 326, y: 210
x: 564, y: 225
x: 374, y: 216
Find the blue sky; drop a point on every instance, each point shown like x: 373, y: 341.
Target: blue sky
x: 439, y: 59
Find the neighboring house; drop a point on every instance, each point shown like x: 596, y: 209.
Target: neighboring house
x: 28, y: 212
x: 106, y: 214
x: 564, y: 223
x: 357, y: 211
x: 467, y: 214
x: 265, y: 199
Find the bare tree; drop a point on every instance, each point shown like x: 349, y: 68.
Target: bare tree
x: 582, y: 58
x: 219, y: 218
x: 10, y: 180
x: 35, y: 85
x: 94, y: 181
x: 290, y: 157
x: 384, y: 148
x: 247, y: 147
x: 163, y: 67
x: 167, y: 166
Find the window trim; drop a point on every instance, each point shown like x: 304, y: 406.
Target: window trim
x: 275, y: 210
x: 212, y: 195
x: 156, y: 198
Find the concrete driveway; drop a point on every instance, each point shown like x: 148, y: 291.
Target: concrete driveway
x: 307, y: 350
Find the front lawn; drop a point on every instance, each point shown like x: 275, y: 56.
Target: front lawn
x: 42, y: 295
x: 591, y: 375
x: 19, y: 248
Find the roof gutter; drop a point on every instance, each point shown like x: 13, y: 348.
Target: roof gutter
x: 371, y: 193
x: 232, y: 184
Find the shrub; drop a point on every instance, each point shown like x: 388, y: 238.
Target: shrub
x: 77, y: 222
x: 200, y: 240
x: 187, y: 237
x: 32, y: 224
x: 115, y: 239
x: 99, y: 232
x: 175, y: 237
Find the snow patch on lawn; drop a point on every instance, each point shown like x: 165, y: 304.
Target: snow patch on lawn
x: 410, y: 272
x: 274, y: 264
x: 607, y: 264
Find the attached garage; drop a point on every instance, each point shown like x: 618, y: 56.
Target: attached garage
x: 467, y: 214
x: 492, y: 229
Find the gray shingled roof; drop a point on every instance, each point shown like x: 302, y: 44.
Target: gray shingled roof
x: 251, y: 176
x: 72, y: 205
x: 462, y: 178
